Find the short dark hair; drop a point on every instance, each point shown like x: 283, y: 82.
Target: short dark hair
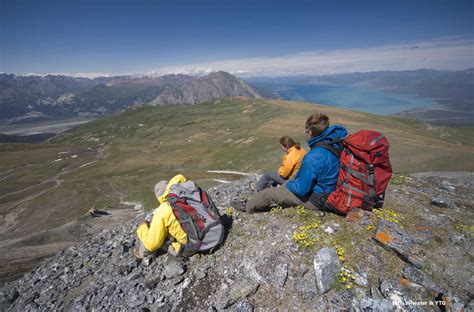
x: 317, y: 123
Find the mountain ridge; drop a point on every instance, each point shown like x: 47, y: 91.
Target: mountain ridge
x: 63, y: 96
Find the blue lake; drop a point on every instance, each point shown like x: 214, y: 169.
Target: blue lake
x: 354, y: 98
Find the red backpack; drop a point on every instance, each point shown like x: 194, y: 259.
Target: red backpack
x: 364, y: 173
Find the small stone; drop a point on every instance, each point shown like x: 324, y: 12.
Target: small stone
x: 173, y: 269
x: 147, y: 260
x: 152, y: 281
x: 163, y: 307
x: 360, y: 294
x: 177, y: 280
x: 370, y: 304
x: 243, y: 306
x: 326, y: 267
x: 393, y: 292
x: 302, y: 269
x: 422, y: 234
x: 281, y: 274
x: 243, y: 289
x: 238, y: 291
x: 199, y: 274
x: 442, y: 202
x: 361, y: 279
x: 134, y: 276
x: 329, y: 230
x: 375, y: 293
x: 458, y: 239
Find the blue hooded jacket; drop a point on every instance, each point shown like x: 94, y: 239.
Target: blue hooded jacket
x: 319, y: 168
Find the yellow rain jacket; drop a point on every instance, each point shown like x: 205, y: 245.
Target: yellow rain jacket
x: 291, y: 163
x: 163, y: 224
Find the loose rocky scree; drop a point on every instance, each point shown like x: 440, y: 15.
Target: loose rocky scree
x: 415, y: 254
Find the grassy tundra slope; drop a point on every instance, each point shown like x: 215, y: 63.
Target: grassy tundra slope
x: 46, y: 189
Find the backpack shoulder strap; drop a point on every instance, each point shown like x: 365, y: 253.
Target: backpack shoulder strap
x: 330, y: 147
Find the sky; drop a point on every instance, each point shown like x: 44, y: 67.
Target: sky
x: 247, y: 38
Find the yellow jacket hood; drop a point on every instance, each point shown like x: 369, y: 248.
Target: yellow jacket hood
x: 291, y: 162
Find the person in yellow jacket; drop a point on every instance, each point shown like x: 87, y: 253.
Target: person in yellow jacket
x: 164, y: 231
x: 290, y: 164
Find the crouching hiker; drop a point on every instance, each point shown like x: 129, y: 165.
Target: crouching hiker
x: 316, y: 178
x: 290, y: 164
x: 186, y: 222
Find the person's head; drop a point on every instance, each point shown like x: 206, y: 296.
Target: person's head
x: 316, y: 124
x: 287, y: 143
x: 160, y: 188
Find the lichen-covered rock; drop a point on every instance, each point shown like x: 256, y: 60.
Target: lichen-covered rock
x: 360, y: 216
x: 419, y: 277
x: 389, y: 235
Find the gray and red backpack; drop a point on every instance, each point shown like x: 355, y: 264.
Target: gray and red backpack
x: 198, y: 216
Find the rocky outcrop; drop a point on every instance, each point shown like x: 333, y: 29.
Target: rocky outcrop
x: 281, y: 259
x: 201, y: 89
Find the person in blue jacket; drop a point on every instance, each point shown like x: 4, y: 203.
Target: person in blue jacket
x: 317, y: 176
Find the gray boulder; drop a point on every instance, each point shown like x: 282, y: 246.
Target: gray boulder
x: 326, y: 267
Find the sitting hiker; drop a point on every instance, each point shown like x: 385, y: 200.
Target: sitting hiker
x: 186, y: 222
x: 316, y: 178
x: 290, y: 164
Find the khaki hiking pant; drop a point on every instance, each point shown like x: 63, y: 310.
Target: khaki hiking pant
x: 262, y: 201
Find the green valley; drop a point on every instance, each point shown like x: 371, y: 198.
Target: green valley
x: 119, y: 159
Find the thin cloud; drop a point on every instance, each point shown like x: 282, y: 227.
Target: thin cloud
x: 442, y: 53
x: 75, y: 75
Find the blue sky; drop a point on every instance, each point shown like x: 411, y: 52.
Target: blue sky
x: 246, y: 37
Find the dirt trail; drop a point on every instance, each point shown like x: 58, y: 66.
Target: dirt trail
x: 5, y: 174
x: 10, y: 202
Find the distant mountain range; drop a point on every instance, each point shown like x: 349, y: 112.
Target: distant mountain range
x: 426, y: 83
x: 24, y: 99
x: 452, y: 90
x: 53, y: 96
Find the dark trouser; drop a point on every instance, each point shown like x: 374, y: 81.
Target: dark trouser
x: 281, y: 196
x: 269, y: 179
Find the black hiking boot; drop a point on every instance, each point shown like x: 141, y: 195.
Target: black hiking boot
x: 239, y: 205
